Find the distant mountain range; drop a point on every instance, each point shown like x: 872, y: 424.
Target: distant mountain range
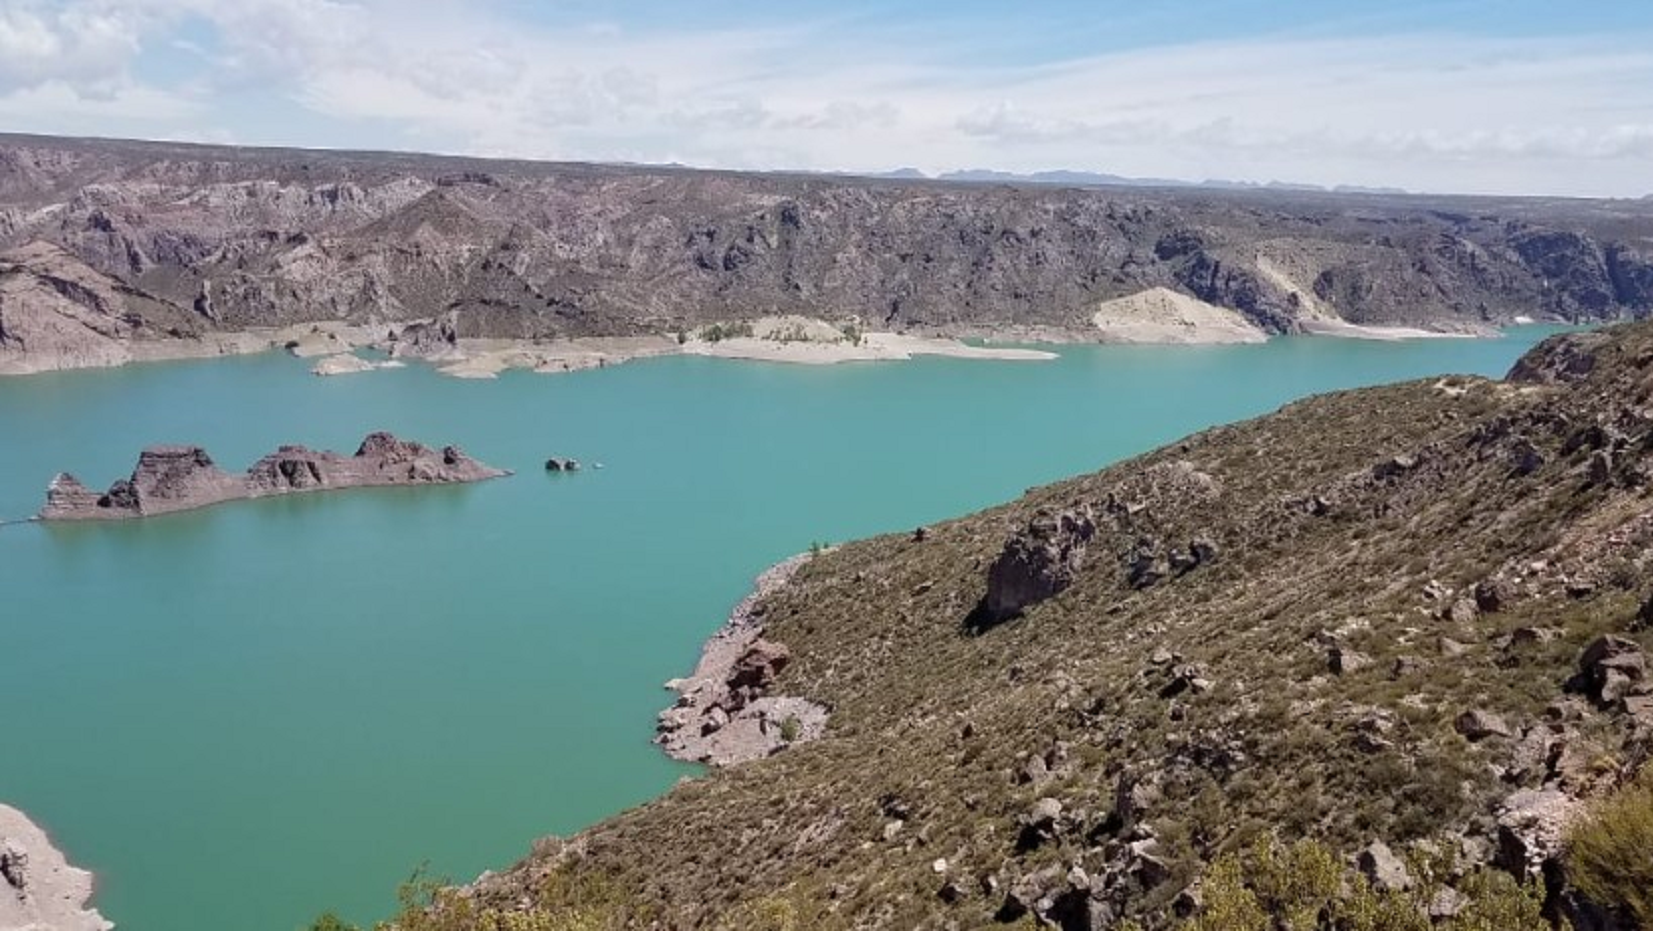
x: 1071, y: 178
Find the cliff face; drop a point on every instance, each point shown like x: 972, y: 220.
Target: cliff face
x: 210, y: 238
x: 1415, y: 615
x: 180, y: 478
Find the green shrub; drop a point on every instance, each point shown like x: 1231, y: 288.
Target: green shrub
x: 1610, y: 851
x: 718, y: 332
x: 790, y: 728
x: 1304, y: 887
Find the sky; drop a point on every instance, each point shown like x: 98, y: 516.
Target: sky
x: 1468, y: 96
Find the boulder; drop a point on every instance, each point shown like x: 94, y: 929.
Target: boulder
x: 1525, y: 457
x: 560, y: 464
x: 14, y: 867
x: 1382, y: 868
x: 1532, y: 825
x: 1132, y: 799
x: 1038, y: 562
x: 759, y: 665
x: 1462, y: 611
x: 1599, y: 470
x: 1146, y: 566
x: 1148, y: 863
x: 1494, y: 594
x: 1445, y: 904
x: 1612, y: 668
x: 1042, y: 816
x: 1343, y: 660
x: 1185, y: 677
x: 1394, y: 467
x: 1478, y: 724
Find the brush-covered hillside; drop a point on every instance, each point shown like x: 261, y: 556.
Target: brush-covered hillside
x: 1405, y: 623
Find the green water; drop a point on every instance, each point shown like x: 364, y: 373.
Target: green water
x: 243, y: 716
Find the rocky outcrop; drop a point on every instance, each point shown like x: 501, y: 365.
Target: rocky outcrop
x: 724, y: 713
x: 56, y: 312
x: 1613, y: 670
x: 1037, y: 562
x: 39, y: 890
x: 1569, y: 357
x: 180, y: 478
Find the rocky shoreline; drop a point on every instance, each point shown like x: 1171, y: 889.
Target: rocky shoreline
x: 180, y: 478
x: 39, y: 889
x: 724, y: 714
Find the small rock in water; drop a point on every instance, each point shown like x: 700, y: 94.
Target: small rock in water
x: 559, y: 464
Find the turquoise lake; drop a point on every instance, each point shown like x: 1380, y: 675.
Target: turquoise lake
x: 244, y: 716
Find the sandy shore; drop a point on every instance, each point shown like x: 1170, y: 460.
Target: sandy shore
x: 305, y: 339
x: 873, y: 347
x: 1346, y: 330
x: 486, y: 358
x: 39, y: 890
x: 1160, y: 315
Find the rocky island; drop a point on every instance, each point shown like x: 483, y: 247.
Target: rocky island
x: 39, y: 889
x: 180, y: 478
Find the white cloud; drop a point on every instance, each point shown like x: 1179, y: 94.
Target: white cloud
x: 1430, y: 112
x: 58, y: 107
x: 80, y: 46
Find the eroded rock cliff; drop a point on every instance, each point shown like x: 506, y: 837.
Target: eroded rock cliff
x: 212, y: 239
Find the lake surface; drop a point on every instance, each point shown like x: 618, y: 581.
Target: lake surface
x: 243, y: 716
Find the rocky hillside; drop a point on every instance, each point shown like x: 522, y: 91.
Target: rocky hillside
x: 199, y: 239
x: 1407, y: 622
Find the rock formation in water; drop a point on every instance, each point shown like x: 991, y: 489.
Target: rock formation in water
x: 187, y: 244
x: 1410, y: 623
x: 178, y: 478
x: 39, y: 890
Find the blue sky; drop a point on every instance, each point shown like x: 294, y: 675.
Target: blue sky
x: 1461, y: 95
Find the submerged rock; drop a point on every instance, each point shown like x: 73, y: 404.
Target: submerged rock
x: 178, y: 478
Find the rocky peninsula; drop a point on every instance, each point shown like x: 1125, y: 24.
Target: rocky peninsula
x: 181, y: 478
x: 39, y: 889
x: 724, y: 713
